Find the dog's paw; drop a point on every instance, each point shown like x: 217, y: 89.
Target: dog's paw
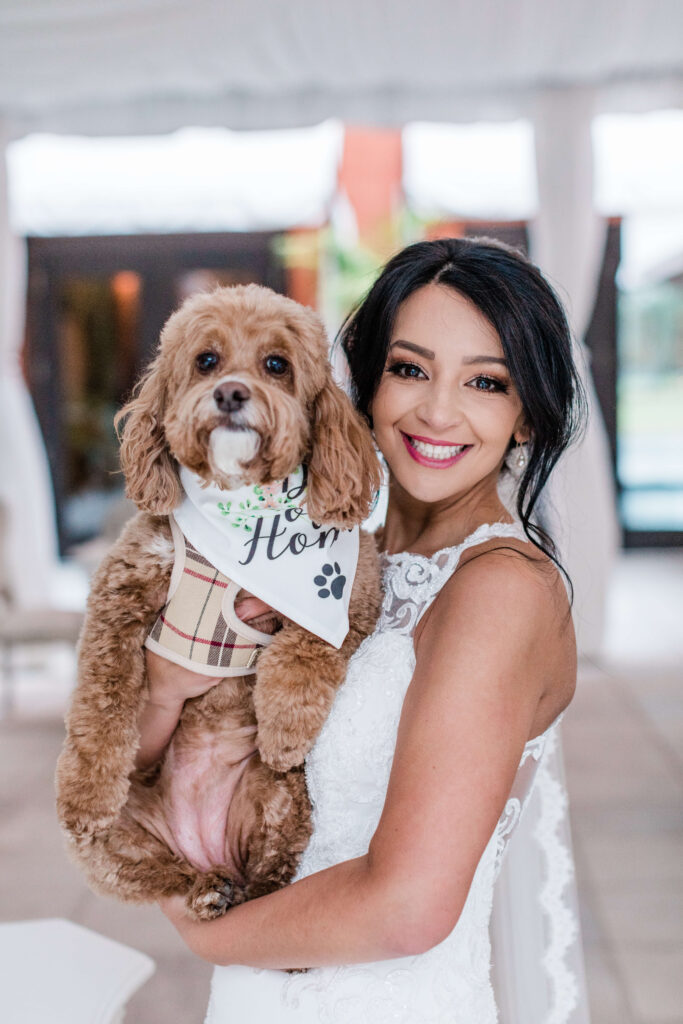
x: 210, y: 898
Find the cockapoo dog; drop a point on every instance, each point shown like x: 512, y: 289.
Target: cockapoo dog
x: 240, y: 392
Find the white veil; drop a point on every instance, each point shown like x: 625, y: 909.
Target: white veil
x: 538, y: 972
x: 537, y: 955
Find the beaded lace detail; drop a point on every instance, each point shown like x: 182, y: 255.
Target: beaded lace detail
x: 347, y: 774
x: 411, y: 582
x: 560, y: 917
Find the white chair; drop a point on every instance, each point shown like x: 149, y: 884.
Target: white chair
x: 56, y: 972
x: 20, y: 626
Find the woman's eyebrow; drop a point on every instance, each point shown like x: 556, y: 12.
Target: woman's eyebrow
x: 484, y: 359
x: 418, y: 349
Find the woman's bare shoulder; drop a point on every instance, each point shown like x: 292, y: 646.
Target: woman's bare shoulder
x: 514, y: 567
x: 509, y: 570
x: 505, y: 598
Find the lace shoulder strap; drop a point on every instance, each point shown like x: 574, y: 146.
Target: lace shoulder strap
x: 411, y: 581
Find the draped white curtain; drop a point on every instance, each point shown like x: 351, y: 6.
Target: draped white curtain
x: 568, y: 241
x: 196, y: 179
x: 30, y: 543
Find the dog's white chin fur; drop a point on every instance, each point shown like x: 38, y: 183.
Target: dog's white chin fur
x: 228, y: 450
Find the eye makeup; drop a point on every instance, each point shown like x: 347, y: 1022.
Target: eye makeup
x: 397, y: 366
x: 497, y: 386
x: 411, y: 371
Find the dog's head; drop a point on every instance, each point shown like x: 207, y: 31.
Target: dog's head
x: 240, y: 391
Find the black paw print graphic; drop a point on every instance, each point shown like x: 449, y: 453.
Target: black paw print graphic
x: 331, y: 586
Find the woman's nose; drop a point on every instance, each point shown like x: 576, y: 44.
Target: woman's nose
x: 440, y: 409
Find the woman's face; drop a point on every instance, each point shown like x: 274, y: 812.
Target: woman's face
x: 446, y: 408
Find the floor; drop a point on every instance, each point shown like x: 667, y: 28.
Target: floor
x: 624, y: 750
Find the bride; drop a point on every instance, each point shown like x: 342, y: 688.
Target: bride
x: 460, y: 358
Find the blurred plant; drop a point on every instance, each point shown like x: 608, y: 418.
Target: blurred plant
x: 346, y: 264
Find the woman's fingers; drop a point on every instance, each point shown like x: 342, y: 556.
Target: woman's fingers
x: 173, y: 907
x: 256, y: 612
x: 170, y: 683
x: 250, y: 607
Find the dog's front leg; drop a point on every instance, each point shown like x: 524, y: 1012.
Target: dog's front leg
x: 297, y: 677
x: 102, y: 733
x: 298, y: 674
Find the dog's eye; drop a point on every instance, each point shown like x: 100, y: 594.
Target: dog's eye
x: 276, y: 365
x: 206, y: 361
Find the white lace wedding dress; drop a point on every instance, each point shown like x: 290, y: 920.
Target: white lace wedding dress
x: 347, y: 773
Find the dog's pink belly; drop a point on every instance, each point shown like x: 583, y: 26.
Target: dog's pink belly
x: 199, y: 783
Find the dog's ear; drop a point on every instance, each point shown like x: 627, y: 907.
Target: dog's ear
x: 343, y: 469
x: 151, y: 472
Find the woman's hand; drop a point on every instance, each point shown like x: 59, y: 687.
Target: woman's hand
x: 256, y: 612
x: 170, y: 685
x: 174, y: 909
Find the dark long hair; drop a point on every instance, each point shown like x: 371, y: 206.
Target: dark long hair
x: 529, y: 319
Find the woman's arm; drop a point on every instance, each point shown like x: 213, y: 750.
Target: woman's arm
x: 467, y: 715
x: 169, y: 686
x: 340, y: 915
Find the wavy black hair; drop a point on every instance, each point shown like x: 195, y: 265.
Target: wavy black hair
x: 532, y: 326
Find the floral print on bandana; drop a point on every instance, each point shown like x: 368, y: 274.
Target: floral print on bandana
x: 266, y: 498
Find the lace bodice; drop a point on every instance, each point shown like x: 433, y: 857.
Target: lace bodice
x: 411, y: 582
x: 347, y: 773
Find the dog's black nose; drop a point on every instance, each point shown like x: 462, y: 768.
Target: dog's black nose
x: 231, y: 396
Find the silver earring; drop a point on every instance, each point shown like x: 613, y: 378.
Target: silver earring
x: 516, y: 460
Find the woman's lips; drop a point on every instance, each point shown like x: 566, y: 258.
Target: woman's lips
x: 422, y: 450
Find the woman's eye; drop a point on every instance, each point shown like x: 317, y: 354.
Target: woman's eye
x: 206, y: 361
x: 276, y: 365
x: 405, y: 370
x: 488, y: 384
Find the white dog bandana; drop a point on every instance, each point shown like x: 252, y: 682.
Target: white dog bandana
x: 262, y: 538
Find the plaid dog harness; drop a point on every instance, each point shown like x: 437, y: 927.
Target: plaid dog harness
x: 198, y: 627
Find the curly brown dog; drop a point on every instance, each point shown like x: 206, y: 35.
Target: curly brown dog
x: 240, y: 391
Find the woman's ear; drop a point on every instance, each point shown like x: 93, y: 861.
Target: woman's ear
x: 343, y: 470
x: 522, y: 432
x: 151, y: 472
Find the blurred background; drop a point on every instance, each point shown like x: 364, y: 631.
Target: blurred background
x: 153, y: 148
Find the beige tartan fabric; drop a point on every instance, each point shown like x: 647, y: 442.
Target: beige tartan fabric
x: 197, y: 627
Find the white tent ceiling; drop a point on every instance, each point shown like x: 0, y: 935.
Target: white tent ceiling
x: 136, y: 66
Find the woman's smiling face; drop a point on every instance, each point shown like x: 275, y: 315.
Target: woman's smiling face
x: 446, y: 407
